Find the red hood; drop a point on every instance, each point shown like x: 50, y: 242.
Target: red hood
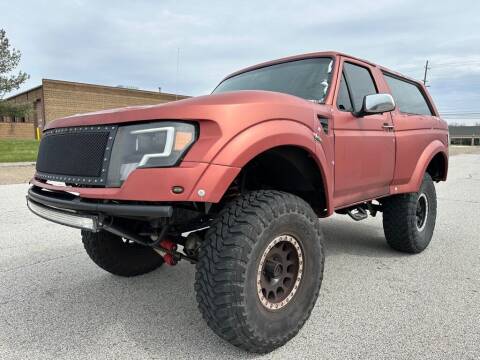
x: 221, y: 117
x: 210, y: 107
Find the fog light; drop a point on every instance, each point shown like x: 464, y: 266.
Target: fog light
x: 63, y: 218
x: 177, y: 189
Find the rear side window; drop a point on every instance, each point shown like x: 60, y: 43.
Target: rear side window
x: 343, y: 100
x: 360, y: 83
x: 407, y: 96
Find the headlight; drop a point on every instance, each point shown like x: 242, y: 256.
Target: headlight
x: 159, y: 144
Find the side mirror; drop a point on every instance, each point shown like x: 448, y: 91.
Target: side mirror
x: 377, y: 104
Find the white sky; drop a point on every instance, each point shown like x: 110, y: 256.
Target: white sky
x: 135, y: 43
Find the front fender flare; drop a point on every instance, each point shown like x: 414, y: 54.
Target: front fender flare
x: 270, y: 134
x: 261, y: 137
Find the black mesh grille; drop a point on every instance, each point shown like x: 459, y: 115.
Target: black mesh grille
x: 77, y: 155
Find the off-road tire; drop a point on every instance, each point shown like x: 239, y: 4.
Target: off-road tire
x: 229, y: 259
x: 120, y: 257
x: 400, y: 219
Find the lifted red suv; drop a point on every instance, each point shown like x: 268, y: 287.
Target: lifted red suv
x: 235, y: 182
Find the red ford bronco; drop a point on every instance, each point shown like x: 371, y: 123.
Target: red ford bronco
x: 235, y: 182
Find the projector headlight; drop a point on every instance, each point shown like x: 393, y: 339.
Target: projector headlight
x: 159, y: 144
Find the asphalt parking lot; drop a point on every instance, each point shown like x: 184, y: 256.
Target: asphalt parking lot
x: 374, y: 303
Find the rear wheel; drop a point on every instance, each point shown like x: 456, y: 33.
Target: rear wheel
x: 120, y: 256
x: 409, y: 219
x: 260, y: 270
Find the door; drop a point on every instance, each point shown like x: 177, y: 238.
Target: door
x: 364, y: 146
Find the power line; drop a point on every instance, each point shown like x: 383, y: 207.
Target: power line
x: 445, y: 64
x: 461, y: 113
x: 461, y: 116
x: 459, y: 63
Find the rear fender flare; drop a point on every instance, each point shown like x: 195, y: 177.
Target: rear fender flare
x: 413, y: 185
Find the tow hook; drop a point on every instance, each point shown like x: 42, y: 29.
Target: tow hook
x: 167, y: 249
x: 169, y: 259
x: 168, y: 245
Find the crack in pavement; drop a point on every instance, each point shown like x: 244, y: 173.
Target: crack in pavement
x: 460, y: 201
x: 40, y: 262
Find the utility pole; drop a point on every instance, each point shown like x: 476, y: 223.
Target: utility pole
x: 176, y: 73
x: 425, y: 74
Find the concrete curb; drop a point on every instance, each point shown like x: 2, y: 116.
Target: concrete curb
x: 12, y: 164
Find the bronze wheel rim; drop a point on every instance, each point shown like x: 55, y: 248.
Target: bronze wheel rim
x: 279, y: 272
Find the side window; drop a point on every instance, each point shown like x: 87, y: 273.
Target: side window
x: 343, y: 99
x: 407, y: 96
x: 360, y: 83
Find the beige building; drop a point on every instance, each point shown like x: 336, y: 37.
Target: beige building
x: 464, y: 135
x: 55, y: 98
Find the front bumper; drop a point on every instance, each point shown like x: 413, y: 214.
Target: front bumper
x: 155, y: 184
x: 70, y: 210
x: 84, y: 222
x: 66, y: 201
x: 145, y: 186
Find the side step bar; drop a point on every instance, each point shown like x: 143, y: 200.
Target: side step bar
x: 361, y: 211
x: 358, y: 213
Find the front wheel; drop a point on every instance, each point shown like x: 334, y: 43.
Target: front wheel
x: 409, y: 219
x: 260, y: 270
x: 120, y: 256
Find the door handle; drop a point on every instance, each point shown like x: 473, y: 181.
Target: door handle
x: 387, y: 126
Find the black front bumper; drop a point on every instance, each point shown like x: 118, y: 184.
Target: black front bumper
x: 52, y: 205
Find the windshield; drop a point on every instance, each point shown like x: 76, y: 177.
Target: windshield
x: 308, y: 79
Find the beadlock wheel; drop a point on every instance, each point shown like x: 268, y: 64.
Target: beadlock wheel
x: 260, y: 269
x: 279, y: 272
x: 422, y: 211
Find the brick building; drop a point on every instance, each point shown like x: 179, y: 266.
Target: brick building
x: 464, y: 135
x: 55, y: 98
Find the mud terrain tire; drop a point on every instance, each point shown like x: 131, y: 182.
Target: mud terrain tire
x: 232, y: 269
x: 409, y: 219
x: 118, y: 256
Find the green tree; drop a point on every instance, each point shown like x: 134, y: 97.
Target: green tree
x: 10, y: 81
x: 9, y: 60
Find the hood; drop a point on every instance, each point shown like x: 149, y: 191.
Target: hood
x: 246, y: 103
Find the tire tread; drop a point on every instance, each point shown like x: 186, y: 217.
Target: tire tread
x: 399, y: 217
x: 224, y: 257
x: 109, y: 252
